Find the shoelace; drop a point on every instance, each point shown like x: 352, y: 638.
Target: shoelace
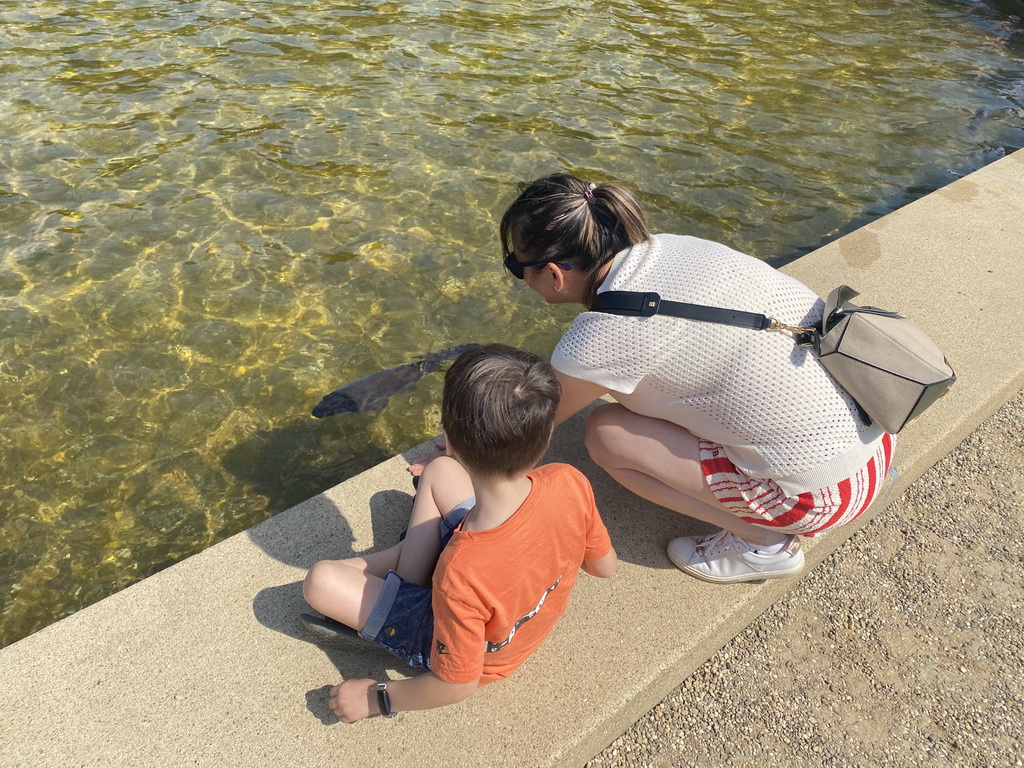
x: 722, y: 539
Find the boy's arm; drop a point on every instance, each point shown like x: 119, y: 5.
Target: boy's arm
x: 597, y: 539
x: 604, y: 567
x: 355, y: 699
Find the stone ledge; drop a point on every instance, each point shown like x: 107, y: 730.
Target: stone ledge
x: 203, y: 664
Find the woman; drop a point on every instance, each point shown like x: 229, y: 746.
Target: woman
x: 739, y: 428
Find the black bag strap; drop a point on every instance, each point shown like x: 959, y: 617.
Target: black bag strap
x: 648, y: 304
x: 640, y: 304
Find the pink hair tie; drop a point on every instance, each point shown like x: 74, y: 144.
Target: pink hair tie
x: 589, y: 193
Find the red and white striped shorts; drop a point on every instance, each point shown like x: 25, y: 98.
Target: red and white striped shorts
x: 762, y: 502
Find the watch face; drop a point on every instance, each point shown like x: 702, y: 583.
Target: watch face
x: 383, y: 700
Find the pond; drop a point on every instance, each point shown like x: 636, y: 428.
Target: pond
x: 214, y: 212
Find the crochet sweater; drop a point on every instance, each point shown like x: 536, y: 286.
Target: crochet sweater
x: 773, y: 408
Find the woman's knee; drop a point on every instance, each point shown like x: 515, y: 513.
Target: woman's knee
x: 599, y: 434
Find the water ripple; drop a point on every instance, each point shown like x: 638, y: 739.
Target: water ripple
x: 215, y: 211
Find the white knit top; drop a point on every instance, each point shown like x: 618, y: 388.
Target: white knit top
x: 768, y: 402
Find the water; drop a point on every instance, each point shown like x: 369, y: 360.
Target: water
x: 215, y: 212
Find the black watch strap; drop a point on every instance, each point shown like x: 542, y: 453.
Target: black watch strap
x: 383, y: 700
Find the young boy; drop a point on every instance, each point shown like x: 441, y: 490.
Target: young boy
x: 507, y: 541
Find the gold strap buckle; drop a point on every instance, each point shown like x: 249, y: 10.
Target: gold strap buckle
x: 805, y: 336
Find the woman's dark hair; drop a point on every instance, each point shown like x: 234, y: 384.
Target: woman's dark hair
x: 563, y: 218
x: 498, y: 409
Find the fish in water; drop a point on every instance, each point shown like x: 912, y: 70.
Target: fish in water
x: 979, y: 117
x: 373, y: 392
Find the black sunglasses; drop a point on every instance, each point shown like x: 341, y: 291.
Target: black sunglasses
x: 517, y: 267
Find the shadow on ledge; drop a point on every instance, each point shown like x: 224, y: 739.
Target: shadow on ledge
x: 321, y: 532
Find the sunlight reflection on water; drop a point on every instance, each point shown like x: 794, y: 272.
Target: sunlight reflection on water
x: 215, y: 212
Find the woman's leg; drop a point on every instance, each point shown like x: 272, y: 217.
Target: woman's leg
x: 660, y: 462
x: 347, y: 590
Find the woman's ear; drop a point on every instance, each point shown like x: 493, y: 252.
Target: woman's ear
x: 557, y: 276
x: 448, y: 450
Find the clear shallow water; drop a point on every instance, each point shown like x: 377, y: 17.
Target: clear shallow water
x: 211, y: 213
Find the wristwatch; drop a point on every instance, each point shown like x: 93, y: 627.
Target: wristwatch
x: 383, y: 700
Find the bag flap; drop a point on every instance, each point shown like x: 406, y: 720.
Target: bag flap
x: 834, y: 306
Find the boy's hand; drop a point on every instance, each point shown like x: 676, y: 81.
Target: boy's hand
x: 354, y: 699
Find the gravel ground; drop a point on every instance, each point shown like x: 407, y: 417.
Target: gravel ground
x: 904, y: 648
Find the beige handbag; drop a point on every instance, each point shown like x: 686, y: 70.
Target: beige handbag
x: 888, y: 365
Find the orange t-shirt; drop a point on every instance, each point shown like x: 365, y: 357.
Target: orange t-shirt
x: 498, y: 593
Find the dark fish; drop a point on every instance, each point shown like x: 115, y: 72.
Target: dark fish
x: 373, y: 392
x: 979, y: 117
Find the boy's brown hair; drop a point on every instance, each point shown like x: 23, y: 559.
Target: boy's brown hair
x: 498, y: 409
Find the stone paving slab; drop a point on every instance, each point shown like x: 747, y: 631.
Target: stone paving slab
x: 203, y: 664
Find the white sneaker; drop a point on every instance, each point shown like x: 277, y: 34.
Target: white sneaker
x: 725, y: 557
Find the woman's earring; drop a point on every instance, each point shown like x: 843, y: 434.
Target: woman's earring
x: 554, y: 276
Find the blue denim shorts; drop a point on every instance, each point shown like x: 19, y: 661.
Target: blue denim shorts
x: 402, y: 619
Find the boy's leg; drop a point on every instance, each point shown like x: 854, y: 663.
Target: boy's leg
x: 342, y: 591
x: 347, y: 590
x: 443, y: 485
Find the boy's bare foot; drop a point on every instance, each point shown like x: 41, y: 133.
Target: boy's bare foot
x: 416, y: 468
